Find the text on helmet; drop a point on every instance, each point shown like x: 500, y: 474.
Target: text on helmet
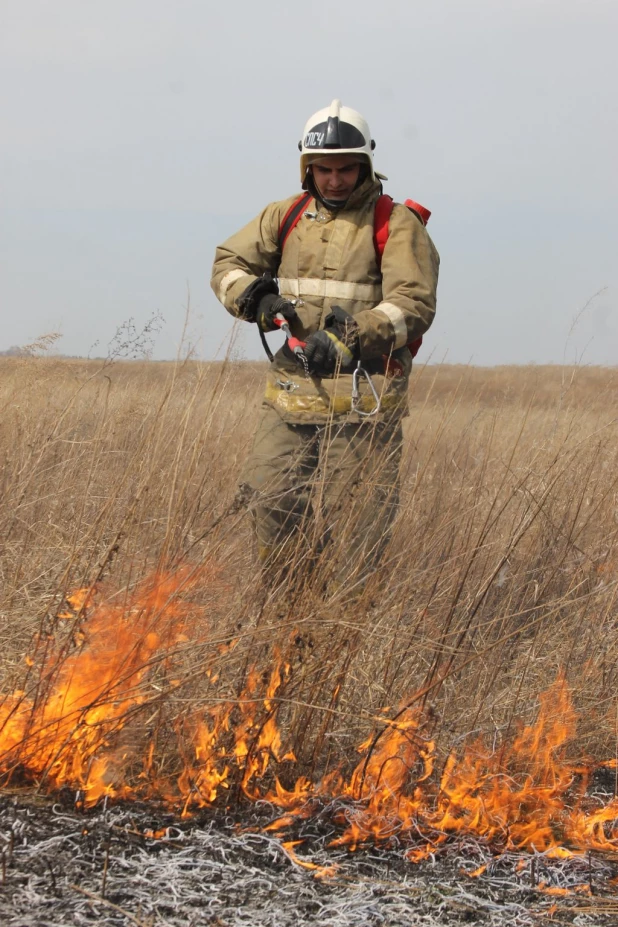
x: 314, y: 139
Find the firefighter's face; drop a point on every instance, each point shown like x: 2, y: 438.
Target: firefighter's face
x: 336, y: 176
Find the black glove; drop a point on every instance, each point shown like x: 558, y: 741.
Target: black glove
x: 336, y: 346
x: 261, y: 302
x: 249, y: 300
x: 270, y: 306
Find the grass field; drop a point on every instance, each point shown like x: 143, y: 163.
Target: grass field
x: 501, y: 574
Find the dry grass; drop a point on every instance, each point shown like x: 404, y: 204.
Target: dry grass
x: 502, y: 570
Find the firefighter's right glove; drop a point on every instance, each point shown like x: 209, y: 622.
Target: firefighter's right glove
x: 261, y: 302
x: 271, y: 305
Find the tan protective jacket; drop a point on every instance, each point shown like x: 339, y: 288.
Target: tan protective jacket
x: 329, y: 259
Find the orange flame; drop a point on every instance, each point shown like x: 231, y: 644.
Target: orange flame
x: 524, y: 796
x: 320, y: 872
x: 63, y: 736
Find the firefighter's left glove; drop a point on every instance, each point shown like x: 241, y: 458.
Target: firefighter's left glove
x: 337, y: 346
x: 271, y: 305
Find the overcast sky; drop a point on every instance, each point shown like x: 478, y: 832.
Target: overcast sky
x: 137, y: 134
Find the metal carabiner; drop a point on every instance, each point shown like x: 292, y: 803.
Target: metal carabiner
x: 361, y: 372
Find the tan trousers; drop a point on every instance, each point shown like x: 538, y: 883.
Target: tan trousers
x: 318, y: 487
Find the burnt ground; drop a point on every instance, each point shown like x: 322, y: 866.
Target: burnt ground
x: 60, y: 866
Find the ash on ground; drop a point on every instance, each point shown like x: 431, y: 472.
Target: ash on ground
x: 137, y: 865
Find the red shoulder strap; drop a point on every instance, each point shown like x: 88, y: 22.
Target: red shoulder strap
x: 421, y: 211
x: 292, y: 217
x: 381, y: 217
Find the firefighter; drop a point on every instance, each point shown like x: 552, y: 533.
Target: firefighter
x: 324, y: 467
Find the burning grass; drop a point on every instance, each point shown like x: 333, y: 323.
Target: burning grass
x: 84, y: 729
x: 477, y: 671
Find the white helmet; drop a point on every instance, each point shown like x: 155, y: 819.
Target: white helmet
x: 336, y: 130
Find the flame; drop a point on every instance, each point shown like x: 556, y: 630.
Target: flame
x: 525, y: 796
x: 581, y: 889
x: 320, y: 872
x: 86, y: 696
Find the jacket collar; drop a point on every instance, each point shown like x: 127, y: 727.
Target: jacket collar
x: 368, y: 192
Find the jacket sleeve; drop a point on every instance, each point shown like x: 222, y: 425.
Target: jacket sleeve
x: 410, y: 266
x: 248, y: 254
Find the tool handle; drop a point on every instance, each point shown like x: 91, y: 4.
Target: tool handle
x: 293, y: 343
